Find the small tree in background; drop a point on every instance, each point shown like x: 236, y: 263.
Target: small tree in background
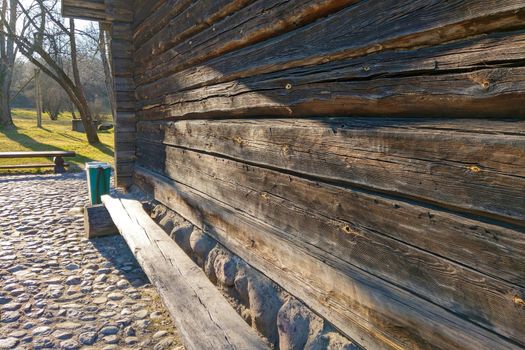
x: 52, y: 47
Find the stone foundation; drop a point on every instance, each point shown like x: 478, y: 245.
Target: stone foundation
x: 278, y: 316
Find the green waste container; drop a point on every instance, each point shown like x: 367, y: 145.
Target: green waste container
x: 98, y: 178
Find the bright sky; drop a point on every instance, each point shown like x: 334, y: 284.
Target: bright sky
x: 79, y: 23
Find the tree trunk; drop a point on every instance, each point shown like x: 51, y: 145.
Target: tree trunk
x: 7, y: 59
x: 6, y: 121
x: 82, y: 105
x: 38, y: 98
x: 105, y: 48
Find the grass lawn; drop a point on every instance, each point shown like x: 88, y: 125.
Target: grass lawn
x: 53, y: 136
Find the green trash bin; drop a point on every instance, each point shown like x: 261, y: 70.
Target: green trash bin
x: 98, y: 178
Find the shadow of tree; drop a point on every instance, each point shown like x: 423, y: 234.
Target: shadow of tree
x: 34, y: 145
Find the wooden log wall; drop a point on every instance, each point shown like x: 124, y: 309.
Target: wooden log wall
x: 120, y: 14
x: 368, y: 156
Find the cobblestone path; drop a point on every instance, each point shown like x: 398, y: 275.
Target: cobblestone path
x: 59, y: 290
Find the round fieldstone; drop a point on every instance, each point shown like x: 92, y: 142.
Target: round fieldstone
x: 160, y: 334
x: 42, y: 330
x: 70, y: 344
x: 73, y: 280
x: 141, y: 314
x: 131, y: 340
x: 122, y: 284
x: 115, y: 296
x: 88, y: 338
x: 44, y: 343
x: 62, y: 335
x: 9, y: 316
x: 72, y: 267
x: 109, y: 330
x: 100, y: 300
x: 130, y: 331
x: 164, y: 344
x: 11, y: 307
x: 8, y: 343
x: 111, y: 339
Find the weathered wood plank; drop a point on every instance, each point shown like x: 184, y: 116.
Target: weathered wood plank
x: 376, y: 314
x: 158, y: 19
x: 465, y: 77
x: 94, y: 10
x: 254, y: 23
x: 476, y: 166
x: 145, y: 8
x: 98, y: 222
x: 198, y: 16
x: 345, y: 223
x: 202, y: 315
x: 355, y: 31
x: 484, y: 93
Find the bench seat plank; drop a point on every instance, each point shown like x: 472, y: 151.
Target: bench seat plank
x: 27, y: 166
x: 202, y: 315
x: 37, y: 154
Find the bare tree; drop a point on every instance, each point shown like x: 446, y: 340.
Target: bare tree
x: 105, y: 52
x: 52, y: 41
x: 7, y: 60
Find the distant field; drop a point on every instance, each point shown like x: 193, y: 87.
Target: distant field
x: 54, y: 136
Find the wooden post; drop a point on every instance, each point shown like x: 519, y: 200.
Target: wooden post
x: 98, y: 222
x: 38, y: 97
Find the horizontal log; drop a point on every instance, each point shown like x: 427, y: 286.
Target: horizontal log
x: 203, y: 316
x: 332, y: 38
x: 257, y: 22
x: 365, y: 230
x: 159, y: 19
x: 144, y: 9
x: 484, y: 93
x: 195, y: 18
x: 376, y: 314
x: 475, y: 166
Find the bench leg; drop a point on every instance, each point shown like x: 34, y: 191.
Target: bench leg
x: 59, y: 165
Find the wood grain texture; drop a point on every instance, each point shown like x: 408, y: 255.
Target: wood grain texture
x: 471, y: 165
x: 122, y: 67
x: 486, y: 93
x: 355, y: 31
x: 196, y: 17
x: 254, y: 23
x: 202, y: 315
x: 376, y: 314
x: 98, y: 222
x: 365, y: 231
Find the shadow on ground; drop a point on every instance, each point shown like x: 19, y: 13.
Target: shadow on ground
x: 116, y: 251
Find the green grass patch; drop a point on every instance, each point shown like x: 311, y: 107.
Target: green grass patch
x: 55, y: 135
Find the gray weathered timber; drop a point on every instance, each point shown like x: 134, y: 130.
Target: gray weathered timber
x: 471, y: 165
x: 254, y: 23
x: 198, y: 16
x: 98, y: 222
x: 358, y: 30
x: 203, y: 317
x: 125, y: 118
x: 345, y: 224
x: 94, y: 10
x: 376, y: 314
x: 485, y: 93
x: 469, y: 55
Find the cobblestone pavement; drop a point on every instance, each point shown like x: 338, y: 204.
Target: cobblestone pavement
x: 59, y: 290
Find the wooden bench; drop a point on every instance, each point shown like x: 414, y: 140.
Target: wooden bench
x: 203, y: 317
x: 58, y: 160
